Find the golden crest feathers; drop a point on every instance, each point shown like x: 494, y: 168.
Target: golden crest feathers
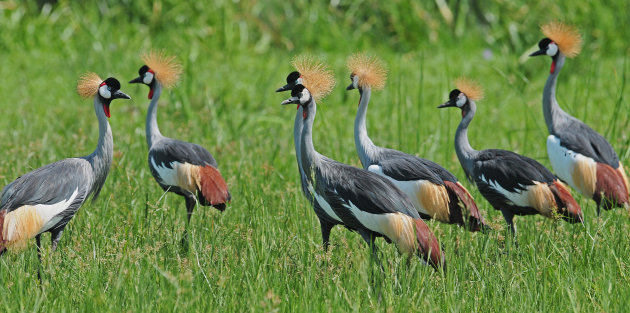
x: 167, y: 70
x: 567, y: 38
x: 316, y: 77
x: 87, y: 85
x: 370, y: 70
x: 470, y: 88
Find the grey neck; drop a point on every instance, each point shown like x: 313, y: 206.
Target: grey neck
x: 297, y: 133
x: 101, y: 158
x: 554, y: 115
x: 365, y: 147
x: 465, y: 153
x: 309, y: 156
x: 153, y: 132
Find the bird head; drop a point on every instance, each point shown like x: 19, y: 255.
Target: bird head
x: 546, y: 47
x: 461, y: 97
x: 355, y: 82
x: 108, y: 91
x: 366, y: 71
x: 147, y: 77
x: 455, y: 99
x: 160, y: 69
x: 559, y: 38
x: 300, y: 96
x: 293, y: 79
x: 105, y: 90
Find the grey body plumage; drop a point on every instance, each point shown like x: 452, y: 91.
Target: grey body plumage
x: 52, y: 186
x: 360, y: 200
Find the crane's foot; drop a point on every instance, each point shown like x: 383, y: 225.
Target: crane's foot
x: 184, y: 242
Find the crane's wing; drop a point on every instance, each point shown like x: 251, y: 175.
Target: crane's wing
x: 346, y: 188
x: 513, y: 172
x: 169, y: 150
x: 55, y: 191
x: 582, y: 139
x: 405, y: 167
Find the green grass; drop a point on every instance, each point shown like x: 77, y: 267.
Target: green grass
x: 263, y: 253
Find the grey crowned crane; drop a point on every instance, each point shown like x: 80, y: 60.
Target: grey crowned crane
x: 512, y: 183
x: 434, y: 191
x: 360, y: 200
x: 579, y: 155
x: 184, y: 168
x: 319, y: 79
x: 46, y: 199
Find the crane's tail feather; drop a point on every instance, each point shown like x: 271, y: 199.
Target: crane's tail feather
x: 428, y: 246
x: 213, y: 187
x: 475, y: 219
x: 610, y: 189
x: 568, y: 208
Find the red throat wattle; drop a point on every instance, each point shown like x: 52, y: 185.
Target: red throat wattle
x: 553, y: 67
x: 150, y: 93
x: 304, y: 114
x: 106, y: 110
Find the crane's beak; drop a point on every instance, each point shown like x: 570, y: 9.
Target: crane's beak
x: 285, y: 87
x: 350, y: 87
x: 539, y: 52
x: 120, y: 95
x: 446, y: 104
x: 136, y: 80
x: 292, y: 100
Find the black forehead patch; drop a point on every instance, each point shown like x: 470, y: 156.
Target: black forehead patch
x: 143, y: 70
x: 543, y: 43
x: 293, y: 77
x: 297, y: 90
x: 113, y: 83
x: 454, y: 93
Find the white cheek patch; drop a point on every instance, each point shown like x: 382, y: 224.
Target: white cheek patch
x: 148, y: 78
x: 355, y: 82
x: 299, y: 81
x: 104, y: 92
x: 306, y: 96
x: 552, y: 49
x: 461, y: 100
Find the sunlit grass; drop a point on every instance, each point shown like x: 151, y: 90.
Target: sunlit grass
x: 264, y: 252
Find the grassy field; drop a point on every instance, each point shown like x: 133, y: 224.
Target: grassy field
x: 122, y: 252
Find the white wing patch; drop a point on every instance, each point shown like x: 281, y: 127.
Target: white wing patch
x: 577, y: 170
x: 183, y: 175
x: 520, y: 198
x: 410, y: 188
x: 28, y: 221
x: 322, y: 202
x: 49, y: 212
x: 396, y: 226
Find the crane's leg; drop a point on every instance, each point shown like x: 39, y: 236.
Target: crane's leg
x: 372, y: 243
x: 38, y: 242
x: 55, y: 236
x: 191, y: 202
x: 509, y: 218
x: 326, y: 227
x: 367, y: 236
x: 598, y: 210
